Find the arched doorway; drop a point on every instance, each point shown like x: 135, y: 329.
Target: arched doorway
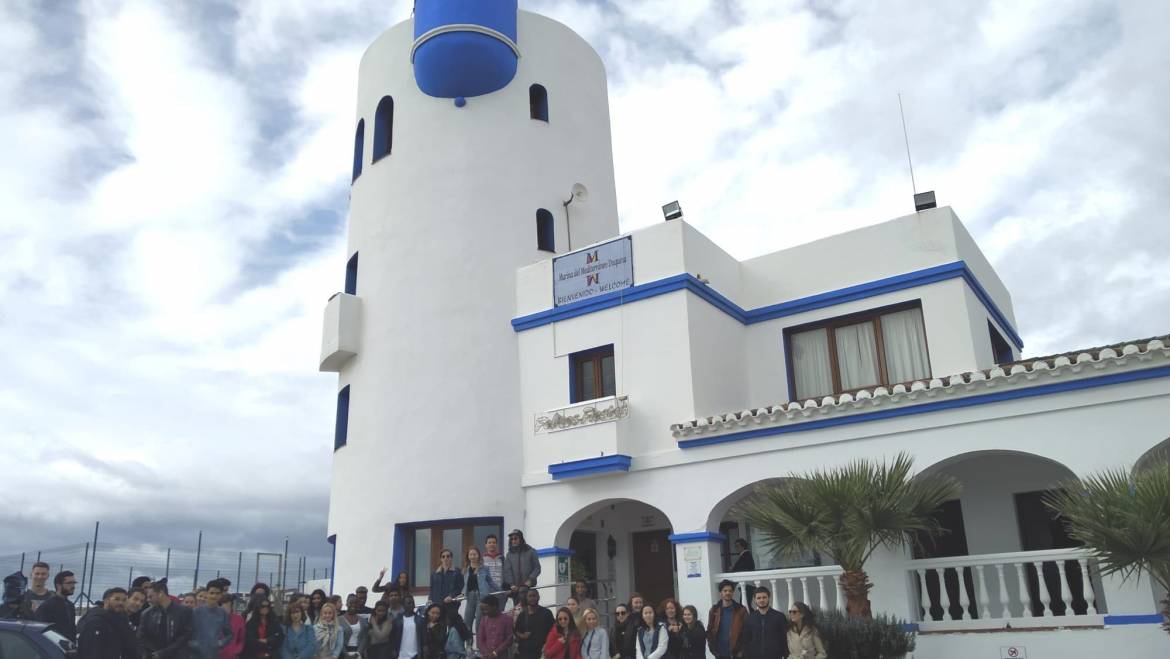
x: 620, y: 546
x: 724, y: 519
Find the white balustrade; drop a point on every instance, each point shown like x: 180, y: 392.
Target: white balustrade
x: 1035, y: 598
x: 819, y: 587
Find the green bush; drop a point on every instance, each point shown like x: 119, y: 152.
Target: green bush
x: 880, y: 637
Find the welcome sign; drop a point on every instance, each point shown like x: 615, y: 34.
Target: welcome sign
x: 590, y: 272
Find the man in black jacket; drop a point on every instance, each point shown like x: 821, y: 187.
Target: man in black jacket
x: 58, y: 610
x: 104, y: 633
x: 765, y: 633
x: 532, y: 626
x: 166, y: 627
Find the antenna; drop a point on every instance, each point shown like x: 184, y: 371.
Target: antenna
x: 906, y: 136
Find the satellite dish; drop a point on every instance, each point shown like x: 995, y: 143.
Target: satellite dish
x: 580, y: 192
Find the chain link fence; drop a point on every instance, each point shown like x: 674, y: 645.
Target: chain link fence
x: 105, y: 565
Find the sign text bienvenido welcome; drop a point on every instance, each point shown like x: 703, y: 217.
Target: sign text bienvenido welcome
x: 600, y: 269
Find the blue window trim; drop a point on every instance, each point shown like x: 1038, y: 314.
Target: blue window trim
x: 956, y: 270
x: 383, y: 129
x: 701, y: 536
x: 332, y: 540
x: 351, y: 274
x: 398, y: 552
x: 589, y: 467
x: 359, y: 147
x: 555, y: 551
x: 1141, y: 619
x: 924, y: 408
x: 341, y: 426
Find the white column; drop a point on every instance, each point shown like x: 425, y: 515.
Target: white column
x: 552, y: 589
x: 698, y: 563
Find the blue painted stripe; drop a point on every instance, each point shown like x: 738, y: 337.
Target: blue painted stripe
x: 688, y: 282
x: 701, y: 536
x: 589, y: 467
x: 910, y: 627
x: 970, y: 401
x: 1150, y: 619
x: 555, y: 551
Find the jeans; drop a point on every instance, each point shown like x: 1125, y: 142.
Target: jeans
x: 471, y: 610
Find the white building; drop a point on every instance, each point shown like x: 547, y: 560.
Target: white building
x: 506, y: 359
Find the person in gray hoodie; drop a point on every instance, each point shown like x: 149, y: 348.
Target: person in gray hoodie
x: 521, y: 565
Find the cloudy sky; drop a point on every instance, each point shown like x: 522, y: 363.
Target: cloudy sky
x: 173, y: 195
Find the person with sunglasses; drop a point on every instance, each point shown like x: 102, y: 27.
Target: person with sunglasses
x: 563, y: 640
x: 766, y: 630
x: 618, y: 639
x: 263, y: 633
x: 804, y: 639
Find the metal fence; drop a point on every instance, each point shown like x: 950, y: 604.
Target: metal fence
x: 102, y: 565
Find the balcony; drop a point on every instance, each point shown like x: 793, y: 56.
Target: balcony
x: 341, y: 334
x: 1052, y: 588
x: 580, y: 439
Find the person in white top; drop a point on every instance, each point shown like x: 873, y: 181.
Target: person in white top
x: 408, y: 649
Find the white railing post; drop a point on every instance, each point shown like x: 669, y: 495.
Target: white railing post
x: 964, y: 601
x: 789, y: 578
x: 1065, y: 590
x: 923, y: 595
x: 743, y: 594
x: 981, y: 587
x: 821, y: 593
x: 804, y: 590
x: 945, y: 594
x: 791, y: 593
x: 1045, y: 598
x: 1004, y: 612
x: 1025, y: 596
x: 840, y: 593
x: 1087, y: 580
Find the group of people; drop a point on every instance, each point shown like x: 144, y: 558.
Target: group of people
x: 501, y: 618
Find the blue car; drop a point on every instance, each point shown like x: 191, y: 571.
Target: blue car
x: 21, y: 639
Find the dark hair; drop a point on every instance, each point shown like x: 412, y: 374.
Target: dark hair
x: 694, y: 613
x: 60, y: 578
x: 725, y: 583
x: 219, y: 582
x: 764, y: 590
x: 632, y: 596
x: 259, y: 585
x: 40, y: 564
x: 110, y: 592
x: 807, y: 617
x: 740, y: 542
x: 160, y: 587
x: 641, y: 622
x: 288, y: 611
x: 572, y: 628
x: 228, y: 598
x: 136, y: 590
x: 492, y: 601
x: 138, y: 581
x: 427, y: 611
x: 491, y: 536
x: 398, y: 577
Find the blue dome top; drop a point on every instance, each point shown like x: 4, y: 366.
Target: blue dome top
x: 464, y: 47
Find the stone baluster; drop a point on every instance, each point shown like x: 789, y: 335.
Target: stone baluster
x: 1087, y: 579
x: 1065, y: 590
x: 982, y: 589
x: 1021, y: 571
x: 1045, y: 598
x: 1004, y: 612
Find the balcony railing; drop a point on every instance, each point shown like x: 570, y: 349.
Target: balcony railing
x: 1054, y: 588
x: 587, y: 413
x: 819, y: 587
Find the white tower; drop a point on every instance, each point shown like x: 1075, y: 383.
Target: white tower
x: 476, y: 168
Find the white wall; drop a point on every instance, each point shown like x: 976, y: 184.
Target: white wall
x: 1130, y: 641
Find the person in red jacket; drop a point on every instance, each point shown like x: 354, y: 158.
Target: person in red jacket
x: 233, y: 649
x: 564, y: 641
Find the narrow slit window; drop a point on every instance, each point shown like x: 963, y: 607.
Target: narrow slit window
x: 341, y: 430
x: 545, y: 235
x: 351, y: 273
x: 359, y: 144
x: 383, y: 128
x: 538, y: 102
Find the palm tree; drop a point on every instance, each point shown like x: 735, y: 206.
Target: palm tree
x: 847, y: 513
x: 1123, y: 518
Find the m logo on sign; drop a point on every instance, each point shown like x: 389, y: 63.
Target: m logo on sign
x: 591, y: 257
x: 592, y: 280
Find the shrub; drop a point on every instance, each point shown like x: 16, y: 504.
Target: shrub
x: 847, y: 637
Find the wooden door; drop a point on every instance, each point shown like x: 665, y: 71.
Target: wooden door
x: 653, y: 566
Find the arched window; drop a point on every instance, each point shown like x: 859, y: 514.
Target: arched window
x: 383, y: 128
x: 538, y: 102
x: 545, y: 238
x: 359, y: 143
